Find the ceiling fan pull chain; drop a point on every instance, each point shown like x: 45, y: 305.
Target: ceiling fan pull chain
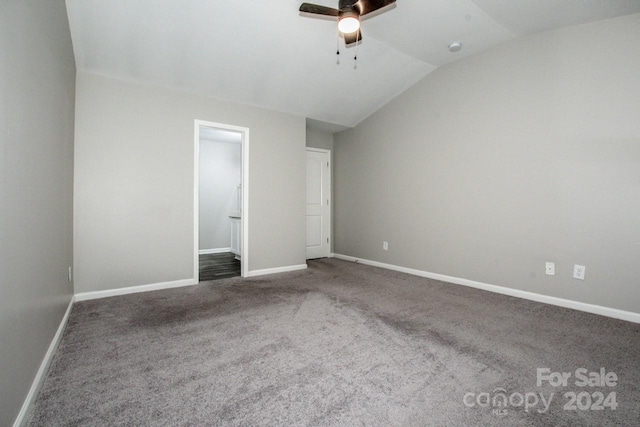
x: 355, y: 57
x: 338, y: 47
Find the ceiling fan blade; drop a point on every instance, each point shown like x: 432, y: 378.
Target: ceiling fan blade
x: 351, y: 37
x: 368, y: 6
x: 318, y: 10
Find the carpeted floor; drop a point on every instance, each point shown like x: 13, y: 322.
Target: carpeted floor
x: 337, y: 344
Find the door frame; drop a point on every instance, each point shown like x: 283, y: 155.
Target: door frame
x: 244, y: 221
x: 329, y: 196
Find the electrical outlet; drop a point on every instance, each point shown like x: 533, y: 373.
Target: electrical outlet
x: 385, y: 246
x: 70, y: 275
x: 550, y: 268
x: 579, y: 271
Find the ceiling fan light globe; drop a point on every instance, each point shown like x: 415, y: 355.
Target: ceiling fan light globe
x: 348, y: 25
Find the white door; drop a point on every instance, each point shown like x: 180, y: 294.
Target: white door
x: 318, y: 198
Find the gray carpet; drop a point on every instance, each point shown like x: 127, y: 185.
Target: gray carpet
x: 338, y: 344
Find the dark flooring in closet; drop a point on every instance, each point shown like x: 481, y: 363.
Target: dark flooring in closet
x: 218, y: 266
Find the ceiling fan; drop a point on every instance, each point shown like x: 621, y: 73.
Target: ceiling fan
x: 348, y: 14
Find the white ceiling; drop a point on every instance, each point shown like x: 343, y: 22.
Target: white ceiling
x: 266, y: 53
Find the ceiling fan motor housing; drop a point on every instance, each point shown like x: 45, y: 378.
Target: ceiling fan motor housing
x: 348, y: 14
x: 346, y: 6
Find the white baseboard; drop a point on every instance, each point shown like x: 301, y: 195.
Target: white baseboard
x: 253, y: 273
x: 561, y: 302
x: 42, y: 371
x: 84, y: 296
x: 213, y: 251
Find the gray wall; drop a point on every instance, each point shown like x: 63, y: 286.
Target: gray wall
x: 134, y: 169
x: 319, y: 139
x: 220, y: 174
x: 494, y: 164
x: 324, y: 140
x: 37, y: 86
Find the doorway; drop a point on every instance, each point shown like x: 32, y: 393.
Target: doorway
x: 221, y: 202
x: 318, y: 210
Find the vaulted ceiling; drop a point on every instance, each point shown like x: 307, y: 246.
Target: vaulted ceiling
x: 266, y: 53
